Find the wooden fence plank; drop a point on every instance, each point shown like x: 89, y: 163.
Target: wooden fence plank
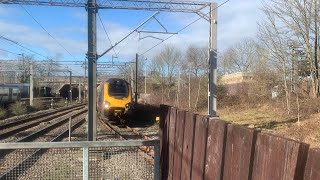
x: 163, y: 135
x: 239, y: 153
x: 181, y: 115
x: 312, y: 170
x: 188, y: 146
x: 217, y: 134
x: 172, y: 126
x: 277, y: 158
x: 199, y: 150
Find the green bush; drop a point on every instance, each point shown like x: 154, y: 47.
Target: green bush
x: 38, y: 105
x: 60, y: 103
x: 3, y: 113
x: 17, y: 108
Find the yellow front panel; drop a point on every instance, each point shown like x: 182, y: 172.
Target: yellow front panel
x: 116, y: 102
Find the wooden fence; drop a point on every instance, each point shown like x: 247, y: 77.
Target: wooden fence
x: 197, y: 147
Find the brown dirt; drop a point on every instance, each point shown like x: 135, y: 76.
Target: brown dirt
x: 307, y: 131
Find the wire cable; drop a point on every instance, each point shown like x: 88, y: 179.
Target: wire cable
x: 184, y: 27
x: 107, y: 34
x: 46, y: 30
x: 9, y: 52
x: 16, y: 43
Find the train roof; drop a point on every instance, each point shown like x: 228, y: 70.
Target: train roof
x: 14, y: 85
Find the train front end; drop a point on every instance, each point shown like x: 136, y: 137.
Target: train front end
x: 117, y: 98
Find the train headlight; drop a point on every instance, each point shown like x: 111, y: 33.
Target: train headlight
x: 128, y: 105
x: 106, y: 105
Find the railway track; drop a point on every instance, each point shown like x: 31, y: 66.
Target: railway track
x: 53, y: 132
x: 9, y: 130
x: 19, y: 163
x: 126, y: 133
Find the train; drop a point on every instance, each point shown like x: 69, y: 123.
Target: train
x: 64, y: 91
x: 10, y: 93
x: 115, y: 99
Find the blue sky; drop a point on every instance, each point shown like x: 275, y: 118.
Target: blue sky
x: 236, y: 20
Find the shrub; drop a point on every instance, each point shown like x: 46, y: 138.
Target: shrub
x: 38, y: 104
x: 60, y: 103
x: 17, y: 108
x: 3, y: 113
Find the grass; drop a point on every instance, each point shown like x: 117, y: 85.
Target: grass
x: 61, y: 103
x: 18, y: 109
x: 3, y: 113
x: 259, y: 117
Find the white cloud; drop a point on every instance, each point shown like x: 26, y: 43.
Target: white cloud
x: 236, y: 20
x: 38, y: 40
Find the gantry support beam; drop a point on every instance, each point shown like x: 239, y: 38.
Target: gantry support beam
x: 152, y: 5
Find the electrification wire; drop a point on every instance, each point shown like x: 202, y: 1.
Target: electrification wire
x: 122, y: 48
x: 9, y: 52
x: 133, y: 37
x: 184, y: 27
x: 14, y: 42
x: 107, y: 34
x: 46, y: 30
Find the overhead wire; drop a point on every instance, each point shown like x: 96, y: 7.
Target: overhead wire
x: 9, y: 51
x: 133, y: 37
x: 103, y: 26
x: 46, y: 30
x: 184, y: 27
x: 18, y: 44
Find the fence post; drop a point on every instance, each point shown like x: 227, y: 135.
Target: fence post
x: 69, y: 128
x: 85, y: 164
x: 157, y: 162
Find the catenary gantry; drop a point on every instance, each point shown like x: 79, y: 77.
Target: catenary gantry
x: 153, y: 5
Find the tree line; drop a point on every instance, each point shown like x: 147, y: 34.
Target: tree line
x: 283, y: 56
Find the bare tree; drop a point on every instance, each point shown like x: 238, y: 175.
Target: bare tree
x: 296, y: 21
x: 241, y: 57
x: 165, y: 66
x: 196, y: 65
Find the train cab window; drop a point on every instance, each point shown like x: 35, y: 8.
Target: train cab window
x: 118, y: 88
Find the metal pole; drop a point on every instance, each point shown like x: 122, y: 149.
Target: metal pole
x: 69, y: 129
x: 24, y: 69
x: 31, y: 86
x: 131, y: 77
x: 85, y: 79
x: 136, y: 83
x: 85, y: 167
x: 212, y: 99
x: 70, y: 89
x: 79, y: 95
x: 92, y: 69
x: 145, y: 77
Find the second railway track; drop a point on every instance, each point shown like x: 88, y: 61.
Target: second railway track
x: 10, y: 129
x: 17, y: 162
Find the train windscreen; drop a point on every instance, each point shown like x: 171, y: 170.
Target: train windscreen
x: 118, y: 88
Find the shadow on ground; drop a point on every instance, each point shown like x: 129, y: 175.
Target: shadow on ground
x: 144, y: 116
x: 274, y: 124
